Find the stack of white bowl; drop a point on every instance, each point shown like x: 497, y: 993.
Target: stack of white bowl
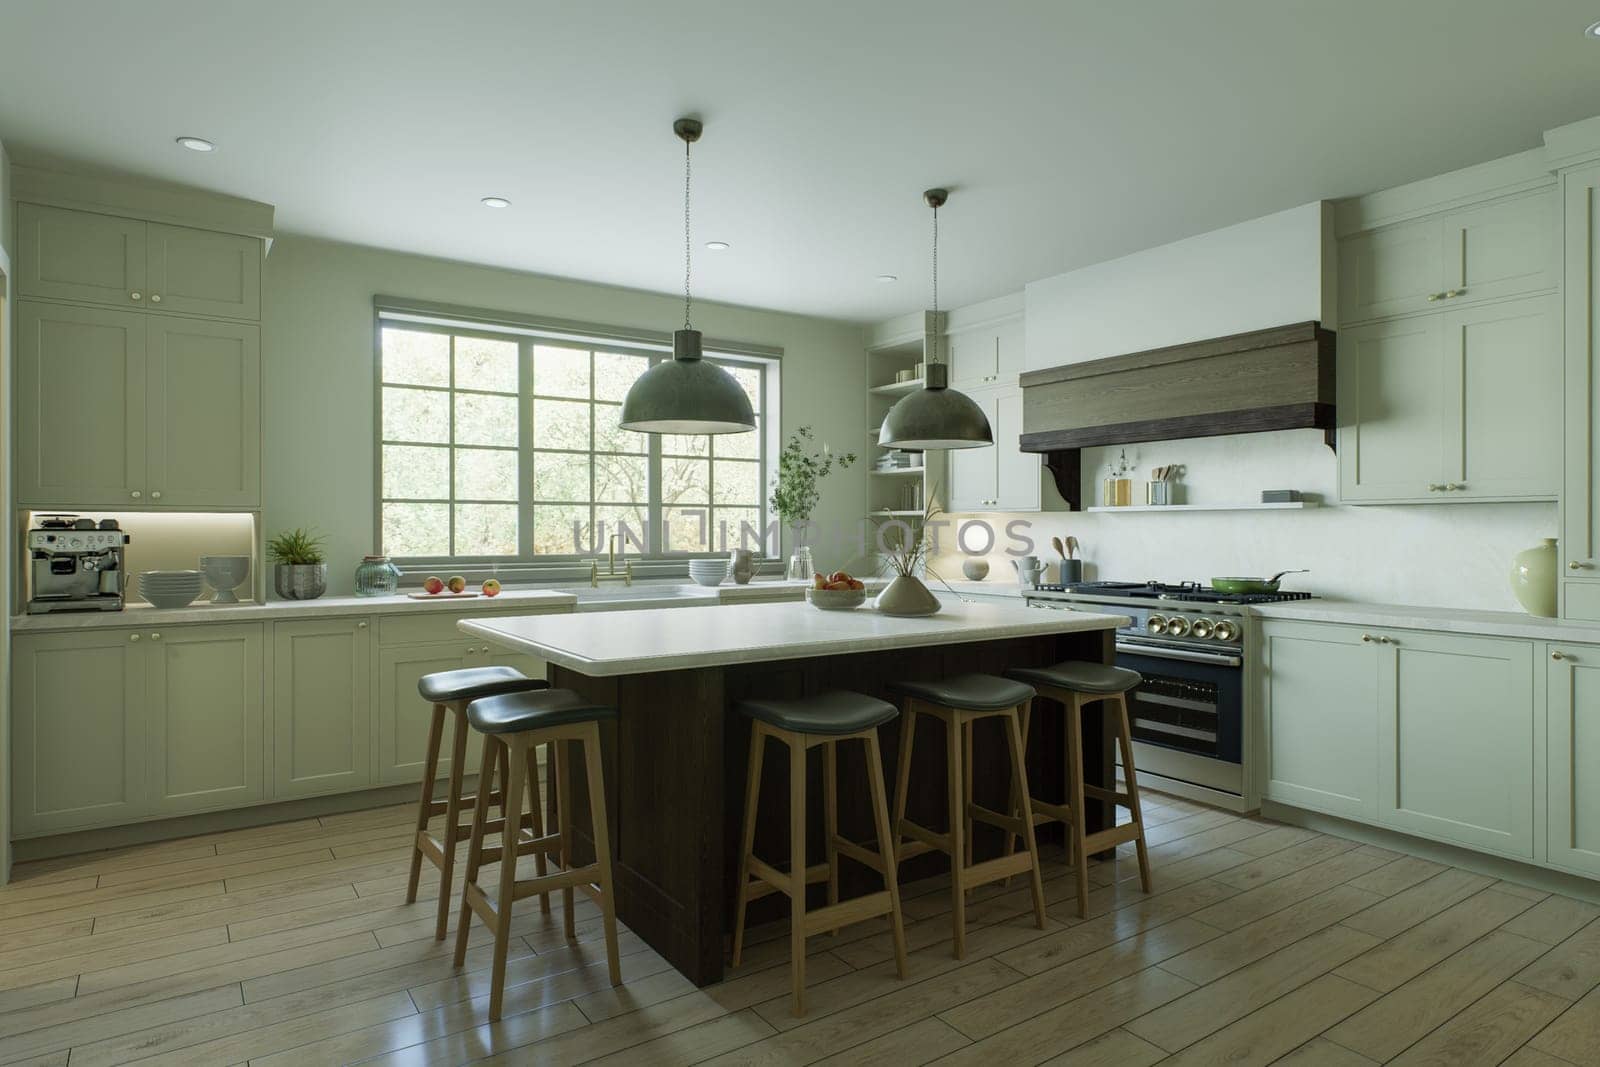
x: 170, y: 589
x: 708, y: 571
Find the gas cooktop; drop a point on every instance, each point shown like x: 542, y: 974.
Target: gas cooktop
x: 1191, y: 592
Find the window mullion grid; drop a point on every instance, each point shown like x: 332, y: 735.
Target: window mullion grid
x: 655, y: 512
x: 525, y: 449
x: 594, y: 510
x: 450, y: 471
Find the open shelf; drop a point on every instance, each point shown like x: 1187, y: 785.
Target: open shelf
x: 1293, y: 505
x: 897, y: 388
x: 896, y: 514
x: 899, y: 472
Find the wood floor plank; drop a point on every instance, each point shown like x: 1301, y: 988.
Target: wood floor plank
x: 1576, y: 1034
x: 141, y: 954
x: 1263, y: 900
x: 1225, y: 954
x: 1273, y: 840
x: 219, y: 909
x: 1409, y: 907
x: 1285, y: 862
x: 1263, y: 1036
x: 114, y: 1023
x: 1402, y: 958
x: 1488, y: 1031
x: 1571, y: 969
x: 116, y: 860
x: 1528, y: 1056
x: 1399, y: 1019
x: 1554, y: 919
x: 1398, y: 875
x: 39, y: 993
x: 921, y: 1042
x: 1116, y: 1049
x: 92, y: 903
x: 696, y: 1044
x: 1320, y: 1052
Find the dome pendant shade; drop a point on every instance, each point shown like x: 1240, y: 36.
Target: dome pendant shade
x: 935, y: 416
x: 687, y: 395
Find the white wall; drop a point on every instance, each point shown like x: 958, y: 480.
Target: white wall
x: 6, y: 244
x: 1444, y: 555
x: 317, y: 333
x: 1265, y: 272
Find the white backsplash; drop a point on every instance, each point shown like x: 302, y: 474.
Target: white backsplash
x: 1441, y: 555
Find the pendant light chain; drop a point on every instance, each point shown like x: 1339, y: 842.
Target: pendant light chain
x: 687, y: 247
x: 936, y: 331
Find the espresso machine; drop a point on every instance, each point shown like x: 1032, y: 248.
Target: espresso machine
x: 76, y: 565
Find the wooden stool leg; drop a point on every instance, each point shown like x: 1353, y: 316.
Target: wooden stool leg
x: 564, y: 815
x: 430, y: 768
x: 966, y: 790
x: 1125, y: 738
x: 958, y: 896
x: 602, y: 846
x: 830, y: 807
x: 902, y: 774
x: 539, y: 864
x: 480, y: 815
x: 511, y: 798
x: 1075, y: 828
x: 1019, y: 775
x: 452, y: 816
x: 891, y: 877
x: 797, y: 870
x: 1021, y: 801
x: 752, y: 794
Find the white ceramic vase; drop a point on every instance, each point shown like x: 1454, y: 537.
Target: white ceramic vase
x: 1533, y: 578
x: 907, y: 597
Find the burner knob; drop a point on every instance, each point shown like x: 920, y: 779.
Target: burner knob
x: 1202, y: 628
x: 1226, y: 631
x: 1156, y: 624
x: 1178, y: 626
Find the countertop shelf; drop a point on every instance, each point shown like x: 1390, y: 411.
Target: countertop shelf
x: 1293, y: 505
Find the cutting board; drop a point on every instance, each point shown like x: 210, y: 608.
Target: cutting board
x: 443, y: 596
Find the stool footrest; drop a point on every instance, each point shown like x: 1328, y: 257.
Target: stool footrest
x: 1109, y: 795
x: 979, y: 813
x: 857, y: 909
x: 996, y: 869
x: 867, y: 857
x: 577, y: 878
x: 1117, y: 835
x: 767, y: 879
x: 1047, y: 812
x: 925, y: 836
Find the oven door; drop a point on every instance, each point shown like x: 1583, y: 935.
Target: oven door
x: 1190, y: 700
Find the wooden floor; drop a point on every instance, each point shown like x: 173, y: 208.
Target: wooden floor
x: 291, y: 944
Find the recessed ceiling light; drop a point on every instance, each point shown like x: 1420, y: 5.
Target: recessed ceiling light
x: 496, y: 201
x: 717, y: 246
x: 887, y: 278
x: 197, y: 144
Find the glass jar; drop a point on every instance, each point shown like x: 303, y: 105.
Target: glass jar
x: 800, y: 568
x: 376, y: 576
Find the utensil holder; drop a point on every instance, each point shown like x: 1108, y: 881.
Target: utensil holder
x: 1157, y: 494
x: 1071, y: 571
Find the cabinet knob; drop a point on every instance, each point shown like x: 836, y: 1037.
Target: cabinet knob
x: 155, y: 637
x: 135, y: 295
x: 1435, y: 296
x: 361, y: 625
x: 1558, y: 654
x: 1453, y: 486
x: 1366, y: 639
x: 136, y: 494
x: 1435, y: 488
x: 156, y: 495
x: 1452, y: 293
x: 1580, y: 565
x: 155, y: 298
x: 133, y: 637
x: 1386, y: 641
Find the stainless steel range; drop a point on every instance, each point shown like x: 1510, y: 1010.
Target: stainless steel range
x: 1190, y: 645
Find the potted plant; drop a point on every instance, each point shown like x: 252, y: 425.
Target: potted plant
x: 298, y: 572
x: 794, y: 491
x: 906, y: 557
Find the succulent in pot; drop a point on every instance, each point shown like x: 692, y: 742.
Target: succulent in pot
x: 299, y: 571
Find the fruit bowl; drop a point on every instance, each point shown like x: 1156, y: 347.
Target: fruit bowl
x: 836, y: 599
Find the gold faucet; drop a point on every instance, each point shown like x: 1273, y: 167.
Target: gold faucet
x: 611, y: 575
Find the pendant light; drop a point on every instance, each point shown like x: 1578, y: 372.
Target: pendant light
x: 685, y: 394
x: 935, y: 416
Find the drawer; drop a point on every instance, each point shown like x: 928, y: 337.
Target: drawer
x: 425, y: 626
x: 1582, y: 600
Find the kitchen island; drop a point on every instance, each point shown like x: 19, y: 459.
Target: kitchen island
x: 674, y: 759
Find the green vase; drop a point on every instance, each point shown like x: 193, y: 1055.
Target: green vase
x: 1533, y: 578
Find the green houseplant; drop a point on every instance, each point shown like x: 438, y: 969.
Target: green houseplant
x: 299, y: 571
x: 801, y: 465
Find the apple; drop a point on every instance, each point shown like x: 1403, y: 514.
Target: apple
x: 838, y: 576
x: 491, y: 588
x: 457, y: 584
x: 819, y: 582
x: 433, y: 584
x: 856, y: 583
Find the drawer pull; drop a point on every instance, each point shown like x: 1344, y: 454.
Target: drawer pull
x: 1580, y: 565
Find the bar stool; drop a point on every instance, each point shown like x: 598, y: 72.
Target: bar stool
x: 1074, y: 685
x: 515, y: 724
x: 802, y: 725
x: 959, y: 702
x: 452, y: 691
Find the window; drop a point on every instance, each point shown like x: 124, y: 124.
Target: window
x: 506, y: 447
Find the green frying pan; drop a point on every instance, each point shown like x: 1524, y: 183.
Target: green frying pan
x: 1252, y: 585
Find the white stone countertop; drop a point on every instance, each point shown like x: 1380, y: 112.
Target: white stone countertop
x: 640, y: 642
x: 1448, y: 620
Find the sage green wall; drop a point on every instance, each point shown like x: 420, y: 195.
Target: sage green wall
x: 6, y: 245
x: 317, y: 334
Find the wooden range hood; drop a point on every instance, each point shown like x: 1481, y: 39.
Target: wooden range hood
x: 1275, y: 379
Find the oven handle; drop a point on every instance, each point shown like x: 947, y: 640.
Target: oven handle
x: 1219, y: 659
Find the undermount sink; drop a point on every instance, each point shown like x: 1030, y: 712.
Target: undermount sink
x: 621, y: 597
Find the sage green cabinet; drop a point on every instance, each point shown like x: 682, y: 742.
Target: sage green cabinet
x: 1572, y: 763
x: 1580, y: 499
x: 1318, y: 701
x: 404, y: 717
x: 321, y: 706
x: 119, y: 409
x: 1452, y: 407
x: 990, y: 355
x: 203, y: 718
x: 77, y: 742
x: 1487, y: 251
x: 1001, y: 478
x: 104, y: 259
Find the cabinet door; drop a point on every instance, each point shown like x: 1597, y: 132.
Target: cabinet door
x: 972, y: 357
x: 321, y: 706
x: 1018, y: 473
x: 1580, y: 501
x: 203, y: 722
x: 79, y: 255
x: 204, y: 402
x: 1455, y: 755
x: 1504, y: 361
x: 199, y: 272
x: 1502, y: 248
x: 1319, y: 699
x: 974, y: 472
x: 404, y: 717
x: 1010, y: 351
x: 1394, y: 417
x: 78, y: 750
x: 1390, y: 271
x: 1572, y: 731
x: 80, y: 406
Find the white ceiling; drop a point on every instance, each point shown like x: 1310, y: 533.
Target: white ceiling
x: 1070, y: 131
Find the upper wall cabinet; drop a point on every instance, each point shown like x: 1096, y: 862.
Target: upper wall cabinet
x: 1505, y: 247
x: 988, y: 356
x: 1003, y: 477
x: 104, y: 259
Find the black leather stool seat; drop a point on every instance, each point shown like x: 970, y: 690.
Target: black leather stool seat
x: 970, y: 692
x: 837, y: 712
x: 512, y: 713
x: 1080, y: 677
x: 470, y: 683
